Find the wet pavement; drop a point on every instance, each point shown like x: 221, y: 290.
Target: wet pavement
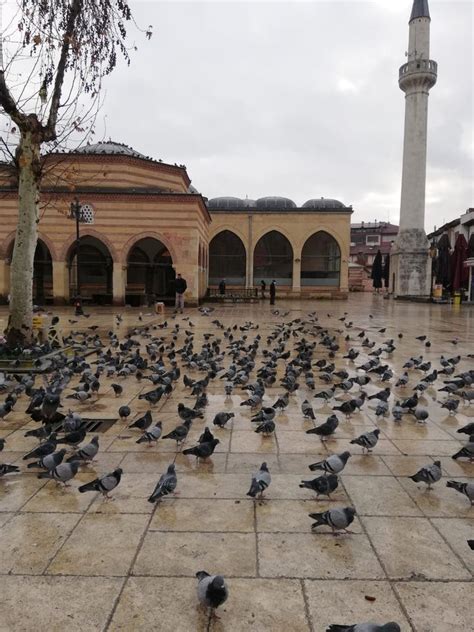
x: 81, y: 562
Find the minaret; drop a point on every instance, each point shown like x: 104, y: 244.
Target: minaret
x: 410, y: 258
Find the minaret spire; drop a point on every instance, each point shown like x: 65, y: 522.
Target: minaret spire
x: 411, y: 277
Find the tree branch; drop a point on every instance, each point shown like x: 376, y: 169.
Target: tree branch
x: 7, y: 102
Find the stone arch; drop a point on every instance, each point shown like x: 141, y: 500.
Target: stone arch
x: 150, y: 271
x: 92, y: 279
x: 273, y: 258
x: 88, y: 232
x: 10, y: 239
x: 127, y: 247
x: 227, y: 258
x: 321, y: 260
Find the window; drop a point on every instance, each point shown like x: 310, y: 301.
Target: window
x: 372, y: 240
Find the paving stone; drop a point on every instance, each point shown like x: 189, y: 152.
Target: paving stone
x: 379, y: 496
x: 204, y: 515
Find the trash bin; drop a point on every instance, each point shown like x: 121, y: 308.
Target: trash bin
x: 159, y: 308
x: 457, y: 298
x: 438, y: 291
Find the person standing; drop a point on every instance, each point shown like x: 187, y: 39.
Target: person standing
x: 180, y: 289
x: 222, y: 287
x: 377, y: 272
x: 263, y: 287
x: 272, y: 292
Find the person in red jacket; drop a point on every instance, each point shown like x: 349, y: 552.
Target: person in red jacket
x: 180, y: 289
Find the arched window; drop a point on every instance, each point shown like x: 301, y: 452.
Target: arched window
x: 273, y: 259
x: 150, y: 272
x: 94, y: 272
x: 320, y: 260
x: 227, y: 259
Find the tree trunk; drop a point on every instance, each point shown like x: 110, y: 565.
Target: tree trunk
x: 19, y: 330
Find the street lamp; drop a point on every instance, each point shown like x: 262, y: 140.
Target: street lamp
x: 75, y: 213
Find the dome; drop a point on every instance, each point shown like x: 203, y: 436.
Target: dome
x: 192, y: 190
x: 248, y: 203
x: 324, y: 204
x: 275, y: 203
x: 110, y: 147
x: 226, y: 203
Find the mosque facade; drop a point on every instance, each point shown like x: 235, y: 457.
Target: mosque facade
x: 142, y: 222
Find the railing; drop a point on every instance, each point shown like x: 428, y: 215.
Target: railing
x: 418, y: 65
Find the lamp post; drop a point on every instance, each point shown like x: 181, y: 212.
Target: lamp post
x: 75, y: 209
x: 432, y: 252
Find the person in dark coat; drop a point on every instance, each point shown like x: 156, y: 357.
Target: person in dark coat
x: 386, y: 272
x: 272, y: 292
x: 222, y: 287
x: 180, y: 286
x: 263, y: 287
x: 377, y: 272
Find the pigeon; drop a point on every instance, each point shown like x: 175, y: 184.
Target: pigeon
x: 143, y: 422
x: 62, y: 473
x: 266, y: 428
x: 463, y: 488
x: 347, y: 408
x: 124, y: 412
x: 397, y: 411
x: 2, y: 444
x: 152, y: 434
x: 50, y: 461
x: 333, y: 464
x: 203, y: 450
x: 118, y: 389
x: 166, y: 485
x: 322, y: 485
x: 104, y: 484
x: 365, y: 627
x: 338, y: 519
x: 307, y: 410
x: 451, y: 405
x: 74, y: 438
x: 467, y: 429
x: 188, y: 414
x: 212, y: 590
x: 429, y: 474
x: 326, y: 429
x: 222, y: 418
x: 260, y: 481
x: 466, y: 452
x: 5, y: 468
x: 180, y: 433
x: 86, y: 452
x: 43, y: 449
x: 206, y: 436
x: 421, y: 414
x: 367, y: 440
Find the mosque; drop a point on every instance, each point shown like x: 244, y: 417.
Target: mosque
x: 142, y: 222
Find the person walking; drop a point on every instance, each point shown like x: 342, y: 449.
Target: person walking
x: 222, y: 287
x: 272, y: 292
x: 377, y: 272
x: 263, y: 287
x: 180, y: 288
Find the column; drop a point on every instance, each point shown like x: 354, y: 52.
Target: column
x: 4, y: 279
x: 60, y: 282
x: 296, y: 274
x: 119, y: 275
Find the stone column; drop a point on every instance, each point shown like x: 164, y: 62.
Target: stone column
x: 60, y: 283
x: 119, y: 276
x: 296, y: 287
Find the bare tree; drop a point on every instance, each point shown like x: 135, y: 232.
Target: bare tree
x: 64, y: 49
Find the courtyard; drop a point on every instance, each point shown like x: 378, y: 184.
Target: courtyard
x: 82, y: 562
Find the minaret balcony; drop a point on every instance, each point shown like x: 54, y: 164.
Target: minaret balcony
x: 419, y: 73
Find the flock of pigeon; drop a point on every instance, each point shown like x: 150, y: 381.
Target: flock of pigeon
x: 299, y: 355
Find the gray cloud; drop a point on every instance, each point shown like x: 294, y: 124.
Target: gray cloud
x: 297, y: 99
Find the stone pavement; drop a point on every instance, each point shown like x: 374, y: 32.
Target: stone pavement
x: 77, y: 562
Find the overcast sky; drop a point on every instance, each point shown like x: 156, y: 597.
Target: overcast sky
x: 298, y: 99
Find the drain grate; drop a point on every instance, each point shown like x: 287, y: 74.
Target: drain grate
x: 99, y: 425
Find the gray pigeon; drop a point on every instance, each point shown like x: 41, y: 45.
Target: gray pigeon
x: 104, y: 484
x: 429, y: 474
x: 463, y: 488
x: 222, y: 418
x: 5, y: 468
x: 62, y: 473
x: 467, y: 452
x: 397, y: 412
x: 166, y: 485
x: 307, y: 410
x: 48, y: 447
x: 326, y: 429
x: 365, y: 627
x: 212, y: 590
x: 260, y: 481
x: 87, y: 452
x: 322, y: 485
x: 50, y: 461
x: 338, y: 519
x: 333, y: 464
x: 152, y: 434
x: 367, y: 440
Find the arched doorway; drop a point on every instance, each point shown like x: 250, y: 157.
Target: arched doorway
x: 150, y: 273
x: 320, y: 261
x: 42, y: 273
x: 227, y: 259
x: 273, y: 259
x: 95, y: 271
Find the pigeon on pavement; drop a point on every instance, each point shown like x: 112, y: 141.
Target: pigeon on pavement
x: 429, y: 474
x: 367, y: 440
x: 62, y: 473
x: 322, y: 485
x: 212, y: 590
x: 103, y: 484
x: 166, y: 485
x: 365, y: 627
x: 260, y: 481
x: 333, y: 464
x: 338, y: 519
x: 463, y: 488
